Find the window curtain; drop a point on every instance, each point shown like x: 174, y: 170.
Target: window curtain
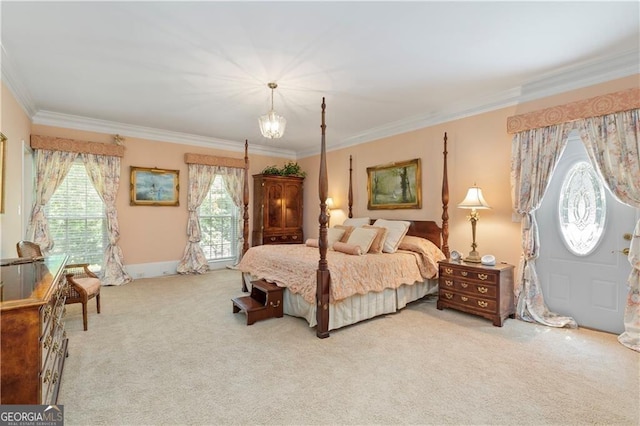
x: 613, y: 145
x: 233, y: 179
x: 534, y: 156
x: 51, y: 169
x: 104, y: 172
x: 200, y: 178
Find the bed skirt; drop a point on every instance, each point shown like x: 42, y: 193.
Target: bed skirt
x: 358, y: 307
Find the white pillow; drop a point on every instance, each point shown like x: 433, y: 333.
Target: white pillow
x: 357, y: 221
x: 362, y: 237
x: 397, y: 230
x: 333, y: 235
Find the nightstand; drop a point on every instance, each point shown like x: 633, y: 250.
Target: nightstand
x: 486, y: 291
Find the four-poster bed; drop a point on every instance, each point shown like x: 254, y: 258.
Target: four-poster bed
x: 344, y: 289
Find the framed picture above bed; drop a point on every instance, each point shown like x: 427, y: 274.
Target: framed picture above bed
x: 154, y: 187
x: 395, y: 186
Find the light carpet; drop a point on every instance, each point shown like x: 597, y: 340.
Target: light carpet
x: 170, y: 351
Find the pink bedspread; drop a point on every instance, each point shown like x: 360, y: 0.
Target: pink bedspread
x: 294, y: 266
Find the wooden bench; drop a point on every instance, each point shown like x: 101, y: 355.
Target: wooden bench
x: 264, y: 302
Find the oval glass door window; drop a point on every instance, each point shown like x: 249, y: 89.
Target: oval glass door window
x: 582, y: 209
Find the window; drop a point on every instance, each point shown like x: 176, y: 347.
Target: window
x: 219, y: 223
x: 77, y: 219
x: 582, y: 209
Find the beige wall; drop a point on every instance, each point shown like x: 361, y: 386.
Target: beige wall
x: 150, y: 233
x: 479, y: 152
x: 16, y: 126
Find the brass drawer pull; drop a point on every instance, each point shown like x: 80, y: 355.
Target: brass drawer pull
x: 273, y: 238
x: 294, y: 237
x: 449, y: 296
x: 47, y: 377
x: 275, y: 305
x: 482, y: 290
x: 483, y: 276
x: 464, y: 273
x: 464, y: 299
x: 448, y: 283
x: 448, y: 271
x: 464, y: 285
x: 482, y: 303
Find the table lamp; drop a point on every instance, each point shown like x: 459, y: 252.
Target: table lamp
x: 474, y: 201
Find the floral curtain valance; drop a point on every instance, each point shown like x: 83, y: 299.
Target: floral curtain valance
x: 213, y: 160
x: 52, y: 143
x: 611, y: 103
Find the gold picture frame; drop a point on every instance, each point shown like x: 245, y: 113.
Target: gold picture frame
x: 395, y: 186
x: 3, y: 149
x: 154, y: 187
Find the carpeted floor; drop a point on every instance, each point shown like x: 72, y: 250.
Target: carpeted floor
x: 170, y: 351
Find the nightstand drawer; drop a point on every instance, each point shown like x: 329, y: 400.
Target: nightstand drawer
x: 488, y: 277
x: 470, y: 301
x: 474, y: 288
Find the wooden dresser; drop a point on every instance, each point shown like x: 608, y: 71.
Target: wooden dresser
x: 486, y: 291
x: 33, y: 339
x: 277, y: 210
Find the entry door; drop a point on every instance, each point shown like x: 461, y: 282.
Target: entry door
x: 592, y: 287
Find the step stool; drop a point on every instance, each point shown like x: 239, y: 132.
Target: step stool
x: 264, y: 302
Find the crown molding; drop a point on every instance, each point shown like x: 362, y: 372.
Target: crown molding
x: 50, y: 118
x: 561, y: 80
x: 13, y: 83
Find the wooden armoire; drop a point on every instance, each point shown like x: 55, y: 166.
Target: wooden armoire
x: 277, y: 209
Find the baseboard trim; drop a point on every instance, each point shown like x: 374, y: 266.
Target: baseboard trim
x: 163, y: 269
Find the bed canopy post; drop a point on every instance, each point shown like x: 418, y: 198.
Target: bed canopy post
x: 445, y: 201
x: 245, y: 199
x: 350, y: 187
x: 322, y: 285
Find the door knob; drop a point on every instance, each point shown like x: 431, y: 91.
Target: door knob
x: 627, y: 236
x: 625, y: 251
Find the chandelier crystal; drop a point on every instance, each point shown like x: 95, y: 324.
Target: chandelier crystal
x: 272, y: 125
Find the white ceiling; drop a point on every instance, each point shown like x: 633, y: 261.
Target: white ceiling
x: 197, y: 72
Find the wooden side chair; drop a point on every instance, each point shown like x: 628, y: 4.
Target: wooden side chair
x: 83, y: 284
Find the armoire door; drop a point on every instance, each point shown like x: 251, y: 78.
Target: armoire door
x: 273, y: 213
x: 292, y: 205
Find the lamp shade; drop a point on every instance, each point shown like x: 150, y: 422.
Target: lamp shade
x: 329, y: 203
x: 474, y: 200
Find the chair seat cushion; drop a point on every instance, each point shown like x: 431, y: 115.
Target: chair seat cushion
x: 90, y: 284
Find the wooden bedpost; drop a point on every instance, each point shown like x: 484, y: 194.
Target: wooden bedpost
x: 245, y: 200
x: 350, y: 187
x: 323, y: 277
x: 445, y: 202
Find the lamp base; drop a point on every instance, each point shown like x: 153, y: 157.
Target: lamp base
x: 474, y: 257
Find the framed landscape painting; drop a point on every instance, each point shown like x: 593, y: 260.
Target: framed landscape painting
x: 395, y: 186
x: 154, y: 187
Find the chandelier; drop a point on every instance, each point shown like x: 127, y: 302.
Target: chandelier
x: 271, y: 124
